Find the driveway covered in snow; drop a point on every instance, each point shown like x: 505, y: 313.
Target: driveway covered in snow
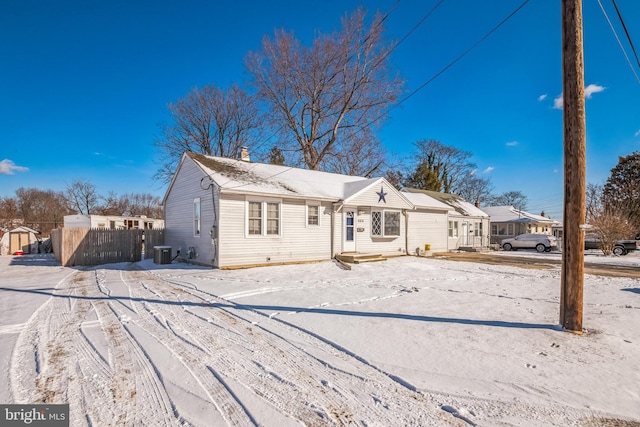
x: 409, y: 341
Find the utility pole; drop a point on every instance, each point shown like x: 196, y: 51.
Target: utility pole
x: 572, y: 284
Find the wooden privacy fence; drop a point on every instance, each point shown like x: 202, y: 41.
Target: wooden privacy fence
x: 84, y: 246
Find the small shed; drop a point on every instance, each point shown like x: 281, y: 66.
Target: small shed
x: 22, y: 239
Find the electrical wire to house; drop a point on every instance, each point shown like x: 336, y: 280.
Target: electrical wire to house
x: 604, y: 12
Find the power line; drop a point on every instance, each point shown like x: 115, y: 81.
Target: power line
x: 619, y: 43
x: 452, y: 63
x: 624, y: 26
x: 415, y: 27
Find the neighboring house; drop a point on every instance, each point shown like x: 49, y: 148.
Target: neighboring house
x: 230, y: 212
x: 22, y: 239
x: 427, y: 223
x: 507, y: 221
x: 112, y: 222
x: 467, y: 225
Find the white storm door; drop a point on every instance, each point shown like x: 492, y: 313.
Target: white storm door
x: 349, y: 235
x: 465, y: 233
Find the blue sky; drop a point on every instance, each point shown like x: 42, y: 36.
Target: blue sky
x: 84, y: 84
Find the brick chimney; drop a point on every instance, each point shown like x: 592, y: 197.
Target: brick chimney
x: 477, y: 203
x: 542, y: 213
x: 244, y: 154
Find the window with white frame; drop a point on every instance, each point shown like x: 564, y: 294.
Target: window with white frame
x: 196, y: 217
x: 263, y: 218
x: 273, y: 219
x: 313, y: 215
x: 391, y: 223
x: 255, y: 218
x: 385, y: 223
x: 453, y: 228
x: 504, y: 229
x: 478, y: 229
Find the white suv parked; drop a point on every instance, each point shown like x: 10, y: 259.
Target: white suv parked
x: 539, y: 242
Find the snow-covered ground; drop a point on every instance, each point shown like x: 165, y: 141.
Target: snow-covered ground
x: 409, y: 341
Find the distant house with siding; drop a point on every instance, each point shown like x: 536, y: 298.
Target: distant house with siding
x: 112, y: 222
x: 231, y: 212
x: 507, y: 221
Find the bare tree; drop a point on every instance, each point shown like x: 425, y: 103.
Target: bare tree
x: 9, y: 218
x: 440, y: 167
x: 207, y: 121
x: 609, y: 221
x: 323, y: 97
x: 41, y: 210
x: 509, y: 198
x: 595, y: 204
x: 114, y: 204
x: 132, y: 204
x: 363, y: 155
x: 475, y: 189
x: 82, y: 197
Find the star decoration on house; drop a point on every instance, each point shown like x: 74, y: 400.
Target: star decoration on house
x: 381, y: 195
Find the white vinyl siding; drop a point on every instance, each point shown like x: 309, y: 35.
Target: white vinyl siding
x: 427, y: 227
x: 179, y: 214
x: 367, y: 242
x: 296, y: 241
x: 392, y: 199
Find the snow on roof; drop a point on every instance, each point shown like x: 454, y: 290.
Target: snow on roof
x: 511, y: 214
x: 236, y: 175
x: 23, y: 229
x: 422, y: 200
x: 451, y: 201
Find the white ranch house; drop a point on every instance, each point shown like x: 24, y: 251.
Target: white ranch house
x: 229, y: 213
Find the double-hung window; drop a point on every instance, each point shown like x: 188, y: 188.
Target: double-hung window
x: 453, y: 228
x: 255, y: 218
x: 385, y: 223
x: 273, y: 218
x: 263, y: 218
x: 313, y: 215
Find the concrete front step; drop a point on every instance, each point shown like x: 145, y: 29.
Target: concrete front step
x: 472, y: 249
x: 357, y: 258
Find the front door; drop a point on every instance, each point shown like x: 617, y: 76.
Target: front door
x: 349, y: 240
x: 465, y: 233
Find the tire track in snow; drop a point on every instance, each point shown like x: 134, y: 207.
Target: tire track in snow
x: 137, y: 393
x: 288, y: 377
x: 476, y: 410
x: 30, y: 354
x: 190, y: 355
